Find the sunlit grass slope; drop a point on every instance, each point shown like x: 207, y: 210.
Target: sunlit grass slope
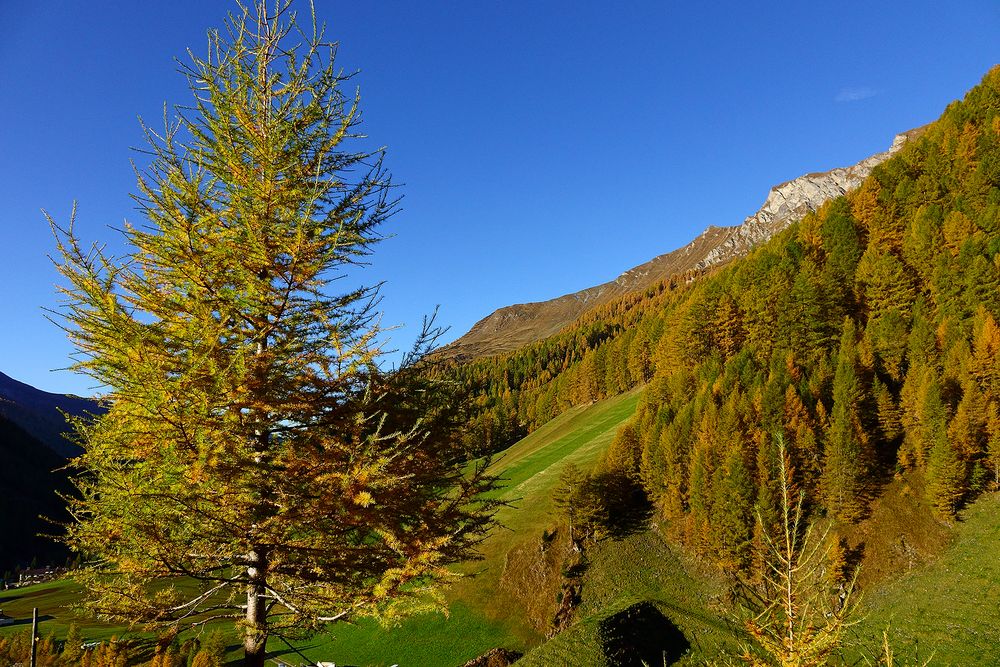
x: 530, y: 469
x: 947, y: 610
x: 53, y: 600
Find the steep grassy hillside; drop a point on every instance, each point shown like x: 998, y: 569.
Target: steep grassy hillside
x: 948, y: 609
x: 531, y: 469
x: 624, y: 574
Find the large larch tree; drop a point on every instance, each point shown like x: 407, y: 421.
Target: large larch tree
x: 256, y: 461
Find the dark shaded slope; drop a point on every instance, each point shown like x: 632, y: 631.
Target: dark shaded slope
x: 29, y: 480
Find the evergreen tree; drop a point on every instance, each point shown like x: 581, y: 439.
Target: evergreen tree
x: 889, y: 413
x: 702, y: 468
x: 911, y: 453
x: 924, y: 239
x: 966, y: 430
x: 884, y: 283
x: 211, y: 653
x: 624, y: 454
x: 993, y: 442
x: 252, y: 443
x: 986, y: 351
x: 728, y: 326
x: 591, y: 503
x: 946, y: 471
x: 566, y: 497
x: 673, y: 482
x: 73, y: 646
x: 732, y: 511
x: 845, y: 466
x: 640, y: 357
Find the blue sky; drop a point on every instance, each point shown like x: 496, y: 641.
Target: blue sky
x: 543, y: 147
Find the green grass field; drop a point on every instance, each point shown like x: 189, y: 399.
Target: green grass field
x: 531, y: 469
x: 53, y: 600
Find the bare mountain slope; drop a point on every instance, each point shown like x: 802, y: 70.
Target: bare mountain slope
x: 514, y: 326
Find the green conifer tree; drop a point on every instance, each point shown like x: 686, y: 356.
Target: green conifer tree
x: 702, y: 467
x: 732, y: 511
x: 566, y: 497
x: 845, y: 465
x: 888, y: 412
x: 73, y: 646
x: 946, y: 470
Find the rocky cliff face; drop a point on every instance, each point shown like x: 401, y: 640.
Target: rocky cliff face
x: 514, y: 326
x: 790, y: 201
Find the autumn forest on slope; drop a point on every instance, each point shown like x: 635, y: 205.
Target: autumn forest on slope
x: 840, y: 375
x: 864, y: 337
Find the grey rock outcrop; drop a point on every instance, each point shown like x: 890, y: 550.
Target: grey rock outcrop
x: 791, y: 201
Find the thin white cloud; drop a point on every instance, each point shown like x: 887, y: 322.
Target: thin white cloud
x: 854, y: 94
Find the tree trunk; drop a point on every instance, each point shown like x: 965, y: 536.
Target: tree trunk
x: 255, y: 634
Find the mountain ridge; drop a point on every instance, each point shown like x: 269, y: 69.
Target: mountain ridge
x: 514, y: 326
x: 39, y: 413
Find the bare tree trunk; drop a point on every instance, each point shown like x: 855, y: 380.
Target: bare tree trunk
x: 255, y: 634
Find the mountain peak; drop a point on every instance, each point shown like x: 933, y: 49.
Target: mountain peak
x: 514, y: 326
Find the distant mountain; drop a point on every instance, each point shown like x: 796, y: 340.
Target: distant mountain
x: 33, y: 453
x: 30, y: 476
x: 514, y: 326
x: 39, y: 413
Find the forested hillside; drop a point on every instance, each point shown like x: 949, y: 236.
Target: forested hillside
x: 866, y: 335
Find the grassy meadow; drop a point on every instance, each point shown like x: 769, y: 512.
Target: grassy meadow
x: 947, y: 610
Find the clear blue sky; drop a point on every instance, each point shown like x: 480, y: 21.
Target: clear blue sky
x: 543, y: 146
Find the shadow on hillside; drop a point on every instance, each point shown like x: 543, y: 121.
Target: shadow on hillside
x: 641, y: 635
x: 27, y: 620
x: 628, y: 509
x: 284, y: 656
